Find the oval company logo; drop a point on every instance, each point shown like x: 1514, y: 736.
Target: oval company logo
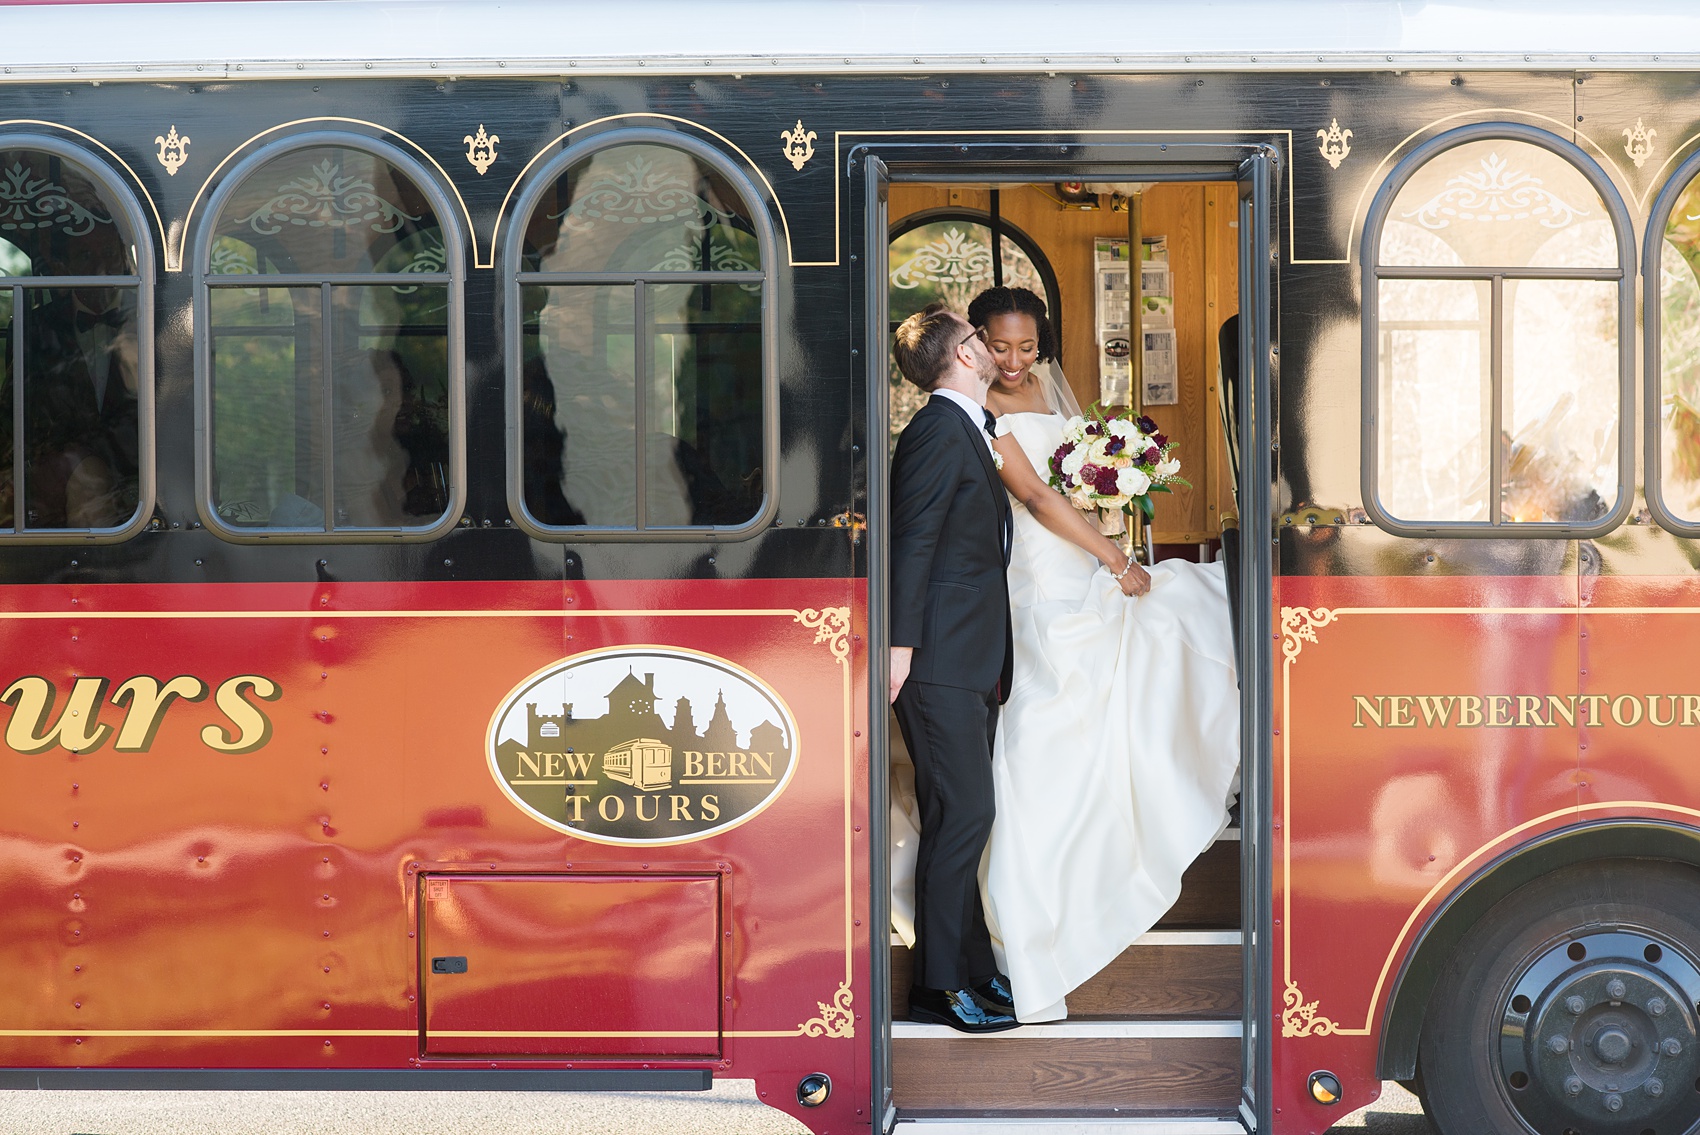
x: 643, y: 745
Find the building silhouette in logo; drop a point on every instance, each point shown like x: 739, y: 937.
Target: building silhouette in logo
x: 632, y: 744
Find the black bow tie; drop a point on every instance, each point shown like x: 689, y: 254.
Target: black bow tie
x: 991, y: 423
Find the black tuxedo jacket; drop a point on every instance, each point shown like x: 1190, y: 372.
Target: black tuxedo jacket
x: 950, y: 542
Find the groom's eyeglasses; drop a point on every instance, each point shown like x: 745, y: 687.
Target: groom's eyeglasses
x: 980, y: 334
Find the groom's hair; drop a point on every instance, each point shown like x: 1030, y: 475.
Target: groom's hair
x: 924, y: 344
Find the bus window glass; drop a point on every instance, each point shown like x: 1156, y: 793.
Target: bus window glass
x: 1498, y: 202
x: 641, y: 208
x: 704, y: 395
x: 580, y: 396
x: 267, y: 470
x: 1561, y: 391
x: 331, y: 401
x: 1497, y: 342
x: 77, y: 463
x: 326, y: 210
x: 1679, y: 358
x: 8, y: 490
x: 81, y: 429
x: 1436, y: 395
x: 642, y: 398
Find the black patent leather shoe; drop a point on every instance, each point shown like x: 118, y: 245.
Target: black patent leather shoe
x: 994, y: 993
x: 959, y: 1009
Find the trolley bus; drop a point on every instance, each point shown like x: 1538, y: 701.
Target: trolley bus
x: 443, y: 506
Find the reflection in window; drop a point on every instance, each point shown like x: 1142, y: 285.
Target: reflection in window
x: 1497, y: 342
x: 949, y: 260
x: 1679, y: 358
x: 69, y: 363
x: 330, y: 396
x: 641, y: 395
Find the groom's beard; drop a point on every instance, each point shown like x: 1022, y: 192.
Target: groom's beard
x: 987, y: 372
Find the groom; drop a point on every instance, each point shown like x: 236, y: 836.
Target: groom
x: 950, y: 658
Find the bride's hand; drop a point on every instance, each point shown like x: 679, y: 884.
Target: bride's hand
x: 1137, y: 581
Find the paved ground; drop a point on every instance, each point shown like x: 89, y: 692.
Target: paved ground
x: 730, y: 1109
x: 1397, y: 1112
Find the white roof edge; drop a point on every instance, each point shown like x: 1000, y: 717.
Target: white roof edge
x: 187, y: 71
x: 326, y: 38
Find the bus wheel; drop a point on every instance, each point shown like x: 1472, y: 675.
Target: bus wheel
x: 1572, y: 1007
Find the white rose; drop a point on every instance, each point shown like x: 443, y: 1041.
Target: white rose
x: 1123, y: 429
x: 1168, y: 467
x: 1081, y: 496
x: 1072, y: 463
x: 1075, y: 429
x: 1131, y: 482
x: 1100, y: 451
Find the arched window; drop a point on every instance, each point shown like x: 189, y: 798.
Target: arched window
x: 76, y: 361
x: 330, y: 346
x: 946, y: 255
x: 640, y: 368
x: 1671, y: 268
x: 1498, y: 370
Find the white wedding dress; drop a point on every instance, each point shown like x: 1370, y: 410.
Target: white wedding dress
x: 1116, y: 756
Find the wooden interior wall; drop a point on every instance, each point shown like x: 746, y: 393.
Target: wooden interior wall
x: 1200, y: 221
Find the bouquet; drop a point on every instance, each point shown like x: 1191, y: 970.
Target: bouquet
x: 1112, y: 464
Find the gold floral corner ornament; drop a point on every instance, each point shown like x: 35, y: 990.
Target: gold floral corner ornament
x: 1299, y: 626
x: 1300, y: 1017
x: 173, y: 149
x: 831, y: 626
x: 836, y: 1019
x: 1638, y: 142
x: 799, y: 145
x: 1336, y: 144
x: 481, y: 149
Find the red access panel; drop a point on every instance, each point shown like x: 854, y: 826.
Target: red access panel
x: 571, y: 965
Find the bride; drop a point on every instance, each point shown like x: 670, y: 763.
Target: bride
x: 1117, y: 753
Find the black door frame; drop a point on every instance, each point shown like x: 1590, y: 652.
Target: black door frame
x: 871, y: 168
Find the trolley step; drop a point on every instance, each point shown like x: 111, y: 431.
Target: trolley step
x: 1071, y: 1125
x: 1166, y: 975
x: 1074, y: 1070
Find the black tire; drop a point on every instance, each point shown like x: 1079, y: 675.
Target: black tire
x: 1571, y: 1007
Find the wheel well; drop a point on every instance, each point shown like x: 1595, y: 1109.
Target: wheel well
x: 1402, y: 1022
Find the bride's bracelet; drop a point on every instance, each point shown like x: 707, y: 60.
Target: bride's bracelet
x: 1127, y: 567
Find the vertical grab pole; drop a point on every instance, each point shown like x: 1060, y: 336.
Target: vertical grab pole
x: 1139, y: 536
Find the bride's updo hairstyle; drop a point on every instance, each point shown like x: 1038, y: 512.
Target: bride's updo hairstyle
x: 924, y: 343
x: 998, y: 301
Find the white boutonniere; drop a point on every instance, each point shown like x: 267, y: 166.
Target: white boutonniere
x: 997, y: 461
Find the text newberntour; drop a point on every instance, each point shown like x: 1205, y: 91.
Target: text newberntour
x: 1524, y: 711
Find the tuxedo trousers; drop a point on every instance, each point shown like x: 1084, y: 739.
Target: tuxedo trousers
x: 949, y: 732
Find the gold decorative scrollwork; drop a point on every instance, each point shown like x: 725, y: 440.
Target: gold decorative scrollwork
x: 481, y: 149
x: 1300, y: 1017
x: 323, y: 198
x: 831, y: 626
x: 1299, y: 626
x: 1638, y: 143
x: 799, y: 145
x: 836, y: 1019
x: 1336, y: 144
x: 173, y: 149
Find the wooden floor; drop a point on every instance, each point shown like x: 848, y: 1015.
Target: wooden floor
x: 1071, y: 1076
